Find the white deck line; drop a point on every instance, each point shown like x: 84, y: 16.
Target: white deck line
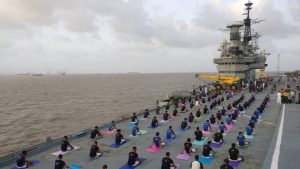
x: 275, y: 158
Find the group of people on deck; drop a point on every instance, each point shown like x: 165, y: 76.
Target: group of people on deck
x: 223, y: 118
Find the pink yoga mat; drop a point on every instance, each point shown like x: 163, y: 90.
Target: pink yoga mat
x: 206, y: 132
x: 153, y: 149
x: 229, y: 126
x: 108, y: 132
x: 183, y: 156
x: 64, y: 152
x: 163, y: 121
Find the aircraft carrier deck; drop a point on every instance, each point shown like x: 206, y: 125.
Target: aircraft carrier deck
x: 258, y: 155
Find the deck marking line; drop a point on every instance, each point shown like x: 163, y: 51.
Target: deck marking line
x: 275, y: 158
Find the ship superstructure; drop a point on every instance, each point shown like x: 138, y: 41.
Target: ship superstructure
x: 241, y: 56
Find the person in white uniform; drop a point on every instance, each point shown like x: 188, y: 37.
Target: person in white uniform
x: 279, y: 98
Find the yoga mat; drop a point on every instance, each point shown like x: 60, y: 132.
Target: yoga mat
x: 154, y: 127
x: 75, y: 166
x: 234, y: 163
x: 206, y: 160
x: 248, y: 136
x: 202, y: 142
x: 216, y: 145
x: 163, y: 121
x: 142, y: 132
x: 131, y: 124
x: 153, y: 149
x: 144, y: 119
x: 169, y: 139
x: 229, y: 126
x: 214, y: 125
x: 34, y: 162
x: 126, y: 166
x: 108, y: 132
x: 198, y: 118
x: 206, y: 132
x: 114, y: 145
x: 180, y: 129
x: 64, y: 152
x: 183, y: 156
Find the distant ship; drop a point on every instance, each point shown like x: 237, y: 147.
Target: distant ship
x: 37, y: 74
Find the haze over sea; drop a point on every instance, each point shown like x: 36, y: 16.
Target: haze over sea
x: 34, y: 107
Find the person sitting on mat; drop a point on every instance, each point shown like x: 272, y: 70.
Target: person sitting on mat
x: 206, y: 126
x: 95, y: 133
x: 157, y: 110
x: 22, y: 162
x: 154, y: 122
x: 146, y: 114
x: 223, y: 111
x: 135, y: 130
x: 226, y: 165
x: 249, y: 130
x: 198, y: 134
x: 222, y: 128
x: 219, y: 116
x: 66, y: 146
x: 218, y: 138
x: 229, y: 120
x: 198, y: 113
x: 196, y: 164
x: 112, y: 126
x: 104, y: 166
x: 170, y: 134
x: 191, y: 118
x: 119, y: 137
x: 133, y: 159
x: 205, y: 110
x: 234, y: 117
x: 166, y: 116
x: 207, y: 150
x: 59, y: 163
x: 241, y: 140
x: 157, y: 140
x: 212, y: 119
x: 95, y: 150
x: 134, y: 118
x: 252, y: 124
x: 234, y: 153
x: 167, y: 162
x: 175, y: 112
x: 184, y: 124
x: 188, y: 147
x: 229, y: 107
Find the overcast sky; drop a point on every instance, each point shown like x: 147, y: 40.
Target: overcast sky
x: 111, y: 36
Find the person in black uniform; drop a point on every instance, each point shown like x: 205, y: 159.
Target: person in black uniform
x: 175, y: 112
x: 226, y: 165
x: 198, y: 134
x: 59, y: 163
x: 218, y: 137
x: 21, y: 160
x: 205, y: 110
x: 133, y: 159
x: 167, y: 162
x: 188, y: 147
x: 207, y: 150
x: 66, y: 146
x: 154, y: 122
x: 234, y: 153
x: 166, y: 116
x: 119, y: 137
x: 184, y: 124
x: 104, y: 166
x: 95, y: 150
x: 95, y: 133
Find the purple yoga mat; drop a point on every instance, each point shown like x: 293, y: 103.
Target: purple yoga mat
x: 216, y: 145
x: 234, y: 163
x: 34, y: 162
x: 183, y: 156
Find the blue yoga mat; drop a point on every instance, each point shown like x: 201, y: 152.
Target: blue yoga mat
x: 34, y: 162
x: 200, y: 143
x: 114, y: 145
x: 205, y: 160
x: 154, y: 127
x: 131, y: 124
x: 126, y: 166
x: 75, y: 166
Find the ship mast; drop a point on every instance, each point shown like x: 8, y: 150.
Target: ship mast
x: 247, y: 23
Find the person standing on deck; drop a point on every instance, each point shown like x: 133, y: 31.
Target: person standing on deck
x: 279, y: 97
